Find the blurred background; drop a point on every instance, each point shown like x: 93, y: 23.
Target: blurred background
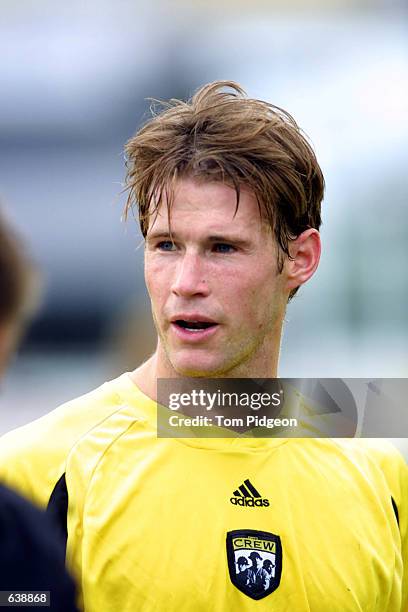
x: 74, y: 82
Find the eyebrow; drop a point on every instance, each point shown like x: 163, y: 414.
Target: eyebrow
x: 212, y: 238
x: 159, y: 234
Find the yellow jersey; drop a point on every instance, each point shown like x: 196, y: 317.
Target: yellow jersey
x: 214, y: 524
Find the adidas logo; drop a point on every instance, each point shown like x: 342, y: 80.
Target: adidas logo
x: 247, y: 495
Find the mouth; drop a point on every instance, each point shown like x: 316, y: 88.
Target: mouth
x: 193, y: 329
x: 193, y: 326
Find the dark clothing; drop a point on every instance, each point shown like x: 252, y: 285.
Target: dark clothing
x: 242, y: 577
x: 258, y: 579
x: 32, y: 555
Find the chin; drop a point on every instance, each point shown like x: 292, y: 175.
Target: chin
x: 196, y: 371
x: 198, y: 368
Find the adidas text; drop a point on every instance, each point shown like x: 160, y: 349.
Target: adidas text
x: 249, y: 501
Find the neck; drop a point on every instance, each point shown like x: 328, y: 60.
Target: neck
x: 263, y: 365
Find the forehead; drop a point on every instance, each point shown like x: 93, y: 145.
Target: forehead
x: 200, y: 204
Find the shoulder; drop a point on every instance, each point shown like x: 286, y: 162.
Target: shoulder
x: 377, y: 462
x: 111, y: 444
x: 33, y: 457
x: 375, y: 452
x: 381, y: 463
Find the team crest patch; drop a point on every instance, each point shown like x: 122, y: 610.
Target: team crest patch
x: 254, y: 561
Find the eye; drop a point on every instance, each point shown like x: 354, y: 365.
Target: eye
x: 166, y: 245
x: 222, y: 247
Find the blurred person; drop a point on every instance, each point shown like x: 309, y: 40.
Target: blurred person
x: 229, y: 195
x: 16, y: 294
x: 32, y: 555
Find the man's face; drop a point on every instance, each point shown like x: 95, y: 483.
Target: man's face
x: 217, y: 299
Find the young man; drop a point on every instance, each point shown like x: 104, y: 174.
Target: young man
x: 229, y: 195
x: 32, y: 559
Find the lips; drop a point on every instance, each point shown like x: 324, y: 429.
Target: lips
x: 193, y: 327
x: 193, y: 321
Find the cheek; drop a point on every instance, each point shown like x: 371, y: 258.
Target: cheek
x: 240, y: 298
x: 148, y: 280
x: 156, y: 281
x: 256, y: 300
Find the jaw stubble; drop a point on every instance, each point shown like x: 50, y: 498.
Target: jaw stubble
x: 257, y: 359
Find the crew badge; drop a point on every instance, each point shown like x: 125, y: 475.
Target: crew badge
x: 254, y: 561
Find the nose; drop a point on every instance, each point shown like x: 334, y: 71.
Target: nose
x: 190, y: 277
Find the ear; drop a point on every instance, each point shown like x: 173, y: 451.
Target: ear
x: 305, y: 256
